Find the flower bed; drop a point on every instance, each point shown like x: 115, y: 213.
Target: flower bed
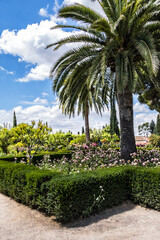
x: 88, y: 158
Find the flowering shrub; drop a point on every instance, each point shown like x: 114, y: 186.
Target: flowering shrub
x: 90, y: 157
x: 149, y: 158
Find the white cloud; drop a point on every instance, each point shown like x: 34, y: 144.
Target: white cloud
x: 43, y: 12
x: 56, y: 6
x: 40, y: 101
x: 29, y: 45
x: 138, y: 108
x: 52, y: 115
x: 94, y: 5
x: 44, y: 94
x: 5, y: 70
x: 143, y: 118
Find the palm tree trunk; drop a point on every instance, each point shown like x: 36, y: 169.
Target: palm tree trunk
x: 125, y: 104
x: 87, y: 132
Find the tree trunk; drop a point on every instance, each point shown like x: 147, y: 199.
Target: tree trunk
x: 125, y: 104
x: 87, y: 132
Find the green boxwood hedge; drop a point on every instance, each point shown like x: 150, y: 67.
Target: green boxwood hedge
x: 78, y: 195
x: 38, y: 157
x: 144, y: 186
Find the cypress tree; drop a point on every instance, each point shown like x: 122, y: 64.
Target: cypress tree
x: 152, y: 127
x: 82, y: 130
x: 114, y: 129
x: 158, y: 125
x: 14, y: 120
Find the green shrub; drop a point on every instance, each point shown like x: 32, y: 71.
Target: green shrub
x: 79, y: 139
x: 144, y: 186
x: 154, y: 140
x: 23, y: 182
x: 80, y: 194
x: 83, y: 194
x: 38, y: 157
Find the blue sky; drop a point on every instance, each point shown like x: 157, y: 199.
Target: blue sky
x: 25, y: 65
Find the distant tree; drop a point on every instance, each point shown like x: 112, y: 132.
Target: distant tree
x: 152, y: 127
x: 14, y: 120
x: 82, y: 130
x: 144, y: 129
x: 158, y: 125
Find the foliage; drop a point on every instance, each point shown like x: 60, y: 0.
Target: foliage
x: 60, y: 140
x: 5, y: 139
x: 150, y: 95
x: 37, y: 158
x: 144, y: 129
x: 79, y: 139
x: 31, y: 137
x: 144, y: 186
x: 69, y: 197
x: 22, y: 182
x: 81, y: 195
x: 104, y: 135
x: 155, y: 140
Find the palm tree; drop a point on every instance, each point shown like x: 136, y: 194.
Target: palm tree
x: 81, y: 97
x: 124, y: 38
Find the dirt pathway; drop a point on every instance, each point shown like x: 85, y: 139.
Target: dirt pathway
x: 125, y: 222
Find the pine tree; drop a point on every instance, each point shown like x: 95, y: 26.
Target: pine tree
x: 82, y: 130
x: 158, y: 125
x: 14, y: 120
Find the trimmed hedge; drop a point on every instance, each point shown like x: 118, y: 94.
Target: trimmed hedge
x: 38, y: 157
x: 87, y: 193
x: 144, y: 186
x: 78, y: 195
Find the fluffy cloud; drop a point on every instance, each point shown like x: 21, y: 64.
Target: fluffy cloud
x: 53, y: 115
x: 44, y: 94
x: 143, y: 118
x: 29, y: 46
x: 38, y: 100
x: 43, y: 12
x: 94, y: 5
x: 139, y: 108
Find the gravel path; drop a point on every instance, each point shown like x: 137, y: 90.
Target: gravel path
x: 125, y: 222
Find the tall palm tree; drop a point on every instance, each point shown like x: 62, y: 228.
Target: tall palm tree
x: 123, y: 38
x: 81, y: 97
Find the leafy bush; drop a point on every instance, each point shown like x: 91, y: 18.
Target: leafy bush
x: 23, y: 182
x: 79, y: 139
x: 144, y: 186
x: 83, y: 194
x: 37, y: 157
x: 155, y: 140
